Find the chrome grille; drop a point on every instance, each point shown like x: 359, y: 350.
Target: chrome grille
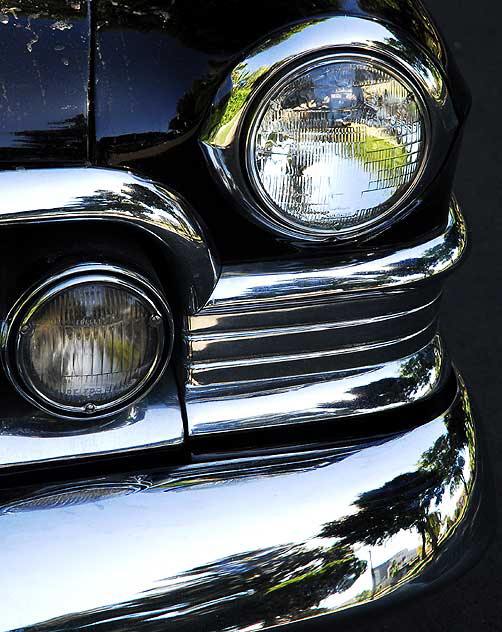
x: 281, y: 343
x: 242, y: 378
x: 301, y: 340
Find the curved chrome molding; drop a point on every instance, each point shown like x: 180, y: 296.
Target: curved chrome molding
x: 257, y: 284
x: 69, y: 194
x: 224, y: 134
x: 30, y: 437
x: 285, y: 342
x: 383, y: 520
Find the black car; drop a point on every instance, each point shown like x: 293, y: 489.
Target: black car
x: 225, y: 230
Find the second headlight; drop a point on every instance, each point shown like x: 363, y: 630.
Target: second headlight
x: 89, y: 341
x: 335, y: 146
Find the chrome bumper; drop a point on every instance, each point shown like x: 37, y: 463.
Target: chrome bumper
x: 244, y: 544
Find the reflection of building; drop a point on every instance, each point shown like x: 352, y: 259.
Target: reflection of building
x: 391, y: 570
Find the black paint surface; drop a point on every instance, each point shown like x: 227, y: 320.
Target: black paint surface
x: 44, y: 79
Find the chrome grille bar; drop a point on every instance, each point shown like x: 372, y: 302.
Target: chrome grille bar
x: 282, y: 343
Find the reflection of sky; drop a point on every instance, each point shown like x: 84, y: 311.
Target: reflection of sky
x: 425, y: 259
x: 159, y: 424
x: 56, y: 189
x: 311, y: 38
x: 109, y: 552
x: 63, y: 188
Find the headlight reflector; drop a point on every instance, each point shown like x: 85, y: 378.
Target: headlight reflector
x: 335, y: 145
x: 90, y: 344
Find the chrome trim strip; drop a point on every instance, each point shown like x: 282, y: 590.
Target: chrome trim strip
x: 350, y: 347
x: 213, y: 381
x: 358, y: 306
x: 307, y: 328
x: 330, y: 396
x: 30, y: 437
x: 225, y: 134
x: 254, y: 284
x: 89, y: 193
x: 326, y: 339
x: 133, y: 544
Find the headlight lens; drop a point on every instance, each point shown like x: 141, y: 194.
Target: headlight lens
x: 90, y: 345
x: 336, y: 145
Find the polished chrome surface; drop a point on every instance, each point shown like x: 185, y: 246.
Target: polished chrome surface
x: 28, y: 436
x: 243, y: 544
x: 328, y: 395
x: 281, y: 343
x: 69, y: 194
x: 225, y: 131
x: 48, y: 288
x: 263, y: 282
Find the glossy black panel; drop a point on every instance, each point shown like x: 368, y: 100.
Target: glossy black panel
x: 159, y: 65
x: 44, y: 81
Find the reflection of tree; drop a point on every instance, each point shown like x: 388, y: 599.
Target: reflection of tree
x: 191, y: 105
x: 244, y: 83
x: 202, y: 24
x: 401, y: 504
x: 418, y: 375
x: 294, y: 588
x: 271, y: 586
x: 278, y: 584
x: 68, y: 137
x: 407, y: 501
x: 287, y: 581
x: 444, y: 458
x: 413, y: 14
x: 415, y: 372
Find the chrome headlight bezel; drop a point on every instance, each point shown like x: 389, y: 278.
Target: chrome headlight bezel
x: 226, y: 136
x: 74, y: 276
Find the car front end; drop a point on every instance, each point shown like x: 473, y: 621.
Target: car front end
x: 227, y: 404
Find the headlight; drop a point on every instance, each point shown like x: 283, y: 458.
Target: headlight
x: 335, y: 145
x: 88, y: 343
x: 331, y: 130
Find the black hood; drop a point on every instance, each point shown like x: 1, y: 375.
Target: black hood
x: 128, y: 84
